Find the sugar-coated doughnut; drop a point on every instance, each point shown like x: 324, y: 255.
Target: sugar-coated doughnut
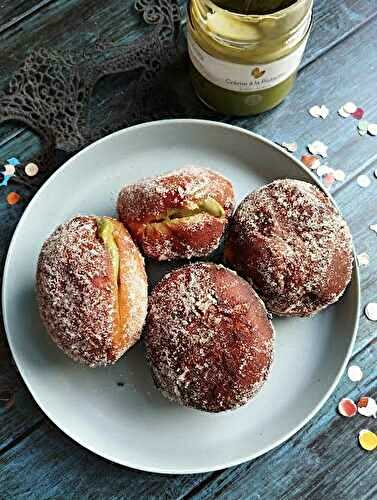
x: 181, y: 214
x: 92, y: 289
x: 209, y: 340
x: 290, y: 242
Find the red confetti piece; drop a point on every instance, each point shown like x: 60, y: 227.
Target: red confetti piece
x: 329, y: 179
x: 358, y: 114
x: 347, y: 408
x: 363, y: 402
x: 13, y: 198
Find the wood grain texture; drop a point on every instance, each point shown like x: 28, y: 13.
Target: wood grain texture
x: 37, y: 460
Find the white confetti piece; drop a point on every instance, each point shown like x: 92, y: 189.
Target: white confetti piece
x: 31, y: 169
x: 290, y: 146
x: 343, y: 113
x: 363, y: 259
x: 363, y: 181
x: 350, y: 107
x: 372, y: 129
x: 9, y: 169
x: 373, y: 227
x: 339, y: 175
x: 367, y: 407
x: 319, y: 111
x: 371, y: 311
x: 318, y: 148
x: 354, y: 373
x: 324, y: 169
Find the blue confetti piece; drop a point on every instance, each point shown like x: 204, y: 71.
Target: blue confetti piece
x: 14, y: 161
x: 5, y: 181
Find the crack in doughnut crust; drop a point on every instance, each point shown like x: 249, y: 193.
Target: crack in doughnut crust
x: 208, y: 338
x: 78, y: 296
x: 292, y: 244
x: 181, y: 214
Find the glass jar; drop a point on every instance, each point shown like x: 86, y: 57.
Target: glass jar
x: 245, y: 64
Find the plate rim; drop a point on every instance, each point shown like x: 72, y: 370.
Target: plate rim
x: 140, y: 466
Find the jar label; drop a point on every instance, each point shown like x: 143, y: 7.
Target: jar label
x: 243, y: 77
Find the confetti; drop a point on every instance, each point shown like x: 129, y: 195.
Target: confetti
x: 362, y: 127
x: 368, y: 440
x: 328, y: 179
x: 354, y: 373
x: 373, y: 227
x: 372, y: 129
x: 14, y: 161
x: 343, y: 113
x: 318, y: 148
x: 339, y: 175
x: 319, y: 111
x: 367, y: 407
x: 13, y: 198
x: 310, y: 161
x: 347, y: 407
x: 323, y: 170
x: 363, y: 181
x: 290, y: 146
x: 350, y: 107
x: 5, y: 180
x: 31, y: 169
x: 371, y: 311
x: 363, y: 259
x: 9, y: 169
x: 358, y: 114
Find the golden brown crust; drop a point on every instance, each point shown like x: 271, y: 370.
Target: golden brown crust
x: 141, y: 207
x: 78, y: 296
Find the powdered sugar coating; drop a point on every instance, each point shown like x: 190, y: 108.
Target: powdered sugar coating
x: 292, y: 244
x: 77, y: 294
x: 208, y: 338
x: 140, y: 206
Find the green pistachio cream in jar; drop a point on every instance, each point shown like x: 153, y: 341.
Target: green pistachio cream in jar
x: 245, y: 53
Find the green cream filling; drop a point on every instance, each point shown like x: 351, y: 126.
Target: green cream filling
x: 105, y: 232
x: 208, y: 205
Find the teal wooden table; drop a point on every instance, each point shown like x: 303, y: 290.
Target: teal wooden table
x: 323, y: 460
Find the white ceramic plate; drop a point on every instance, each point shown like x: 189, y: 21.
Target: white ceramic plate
x: 133, y: 424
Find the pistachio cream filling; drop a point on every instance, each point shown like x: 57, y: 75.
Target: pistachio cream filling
x: 207, y: 206
x: 105, y: 232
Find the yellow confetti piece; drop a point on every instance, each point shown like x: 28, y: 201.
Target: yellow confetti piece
x: 368, y: 440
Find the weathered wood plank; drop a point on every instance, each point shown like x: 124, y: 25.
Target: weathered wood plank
x: 322, y: 461
x: 298, y: 469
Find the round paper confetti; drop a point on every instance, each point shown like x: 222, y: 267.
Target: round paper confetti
x: 371, y: 311
x: 319, y: 111
x: 318, y: 148
x: 372, y: 129
x: 373, y: 227
x: 310, y: 161
x: 13, y: 198
x: 354, y: 373
x: 368, y: 440
x: 343, y: 113
x: 350, y: 107
x: 31, y: 169
x: 339, y: 175
x: 9, y: 169
x: 358, y: 114
x: 363, y: 126
x: 363, y: 181
x: 329, y: 179
x: 324, y: 170
x: 363, y: 259
x: 367, y: 407
x: 347, y: 407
